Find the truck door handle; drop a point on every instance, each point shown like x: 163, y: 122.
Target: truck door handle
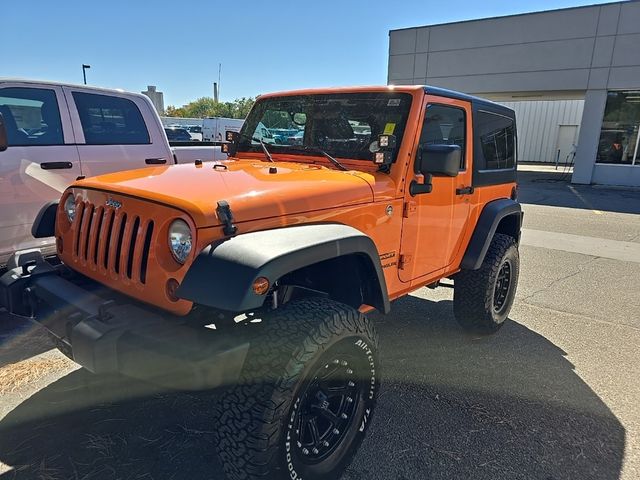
x: 155, y: 161
x: 464, y: 191
x: 55, y: 165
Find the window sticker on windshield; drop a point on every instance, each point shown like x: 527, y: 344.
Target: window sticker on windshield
x: 389, y: 128
x: 393, y: 102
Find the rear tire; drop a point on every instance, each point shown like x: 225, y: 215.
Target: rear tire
x: 482, y: 298
x: 305, y: 397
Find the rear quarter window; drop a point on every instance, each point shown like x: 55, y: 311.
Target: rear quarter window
x: 497, y: 138
x: 495, y: 145
x: 108, y: 120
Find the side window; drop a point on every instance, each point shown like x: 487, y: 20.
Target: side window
x: 110, y: 120
x: 31, y: 116
x: 497, y: 139
x: 445, y: 125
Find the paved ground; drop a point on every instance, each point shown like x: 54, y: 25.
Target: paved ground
x: 554, y: 395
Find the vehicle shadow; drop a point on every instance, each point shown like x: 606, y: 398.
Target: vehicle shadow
x: 20, y: 339
x: 555, y: 189
x: 452, y: 405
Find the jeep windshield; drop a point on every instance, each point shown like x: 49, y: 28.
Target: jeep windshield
x: 344, y: 125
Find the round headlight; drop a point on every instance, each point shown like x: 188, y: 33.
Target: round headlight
x: 180, y: 240
x: 70, y: 207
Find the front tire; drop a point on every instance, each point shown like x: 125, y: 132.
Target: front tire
x: 305, y: 397
x: 482, y: 299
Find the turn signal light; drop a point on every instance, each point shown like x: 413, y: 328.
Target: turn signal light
x: 172, y: 288
x: 260, y: 286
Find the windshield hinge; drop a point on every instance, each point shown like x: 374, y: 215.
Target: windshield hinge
x: 409, y: 209
x: 404, y: 260
x: 226, y: 217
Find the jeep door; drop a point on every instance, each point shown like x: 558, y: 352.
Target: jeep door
x: 41, y: 161
x: 435, y: 222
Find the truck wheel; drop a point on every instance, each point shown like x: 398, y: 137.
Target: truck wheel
x: 482, y: 298
x: 305, y: 397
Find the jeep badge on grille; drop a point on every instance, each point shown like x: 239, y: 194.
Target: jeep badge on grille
x: 113, y: 203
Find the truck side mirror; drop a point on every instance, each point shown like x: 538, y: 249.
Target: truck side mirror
x: 4, y: 141
x: 439, y: 160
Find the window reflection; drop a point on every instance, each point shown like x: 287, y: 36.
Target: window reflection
x: 619, y: 133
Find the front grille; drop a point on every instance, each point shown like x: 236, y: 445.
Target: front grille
x: 112, y: 242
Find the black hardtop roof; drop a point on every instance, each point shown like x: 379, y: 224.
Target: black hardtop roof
x: 477, y: 102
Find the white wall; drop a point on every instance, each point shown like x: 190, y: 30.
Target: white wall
x: 538, y: 122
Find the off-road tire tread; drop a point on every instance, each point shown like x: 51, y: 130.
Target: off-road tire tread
x: 251, y: 413
x: 473, y: 289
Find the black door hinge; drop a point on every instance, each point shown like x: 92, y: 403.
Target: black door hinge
x: 226, y: 217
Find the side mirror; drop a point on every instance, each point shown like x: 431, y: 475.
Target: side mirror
x: 231, y: 136
x: 4, y: 141
x: 440, y: 160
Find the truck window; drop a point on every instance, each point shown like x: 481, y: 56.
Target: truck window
x: 31, y: 115
x: 445, y: 125
x: 108, y: 120
x: 497, y: 139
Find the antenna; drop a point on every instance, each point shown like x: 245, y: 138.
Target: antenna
x: 219, y: 76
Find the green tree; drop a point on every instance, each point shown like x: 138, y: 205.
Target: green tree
x: 208, y: 107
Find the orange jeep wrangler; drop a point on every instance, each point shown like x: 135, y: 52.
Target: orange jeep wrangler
x: 255, y: 274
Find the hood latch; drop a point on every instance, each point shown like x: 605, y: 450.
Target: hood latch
x: 226, y: 217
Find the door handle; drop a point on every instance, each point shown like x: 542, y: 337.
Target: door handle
x: 464, y: 191
x: 155, y: 161
x: 55, y: 165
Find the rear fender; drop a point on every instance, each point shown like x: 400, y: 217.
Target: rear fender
x: 498, y: 216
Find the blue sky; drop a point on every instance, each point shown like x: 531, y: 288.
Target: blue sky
x: 263, y: 46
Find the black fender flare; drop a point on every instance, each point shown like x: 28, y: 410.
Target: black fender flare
x: 45, y: 223
x: 490, y: 217
x: 222, y: 275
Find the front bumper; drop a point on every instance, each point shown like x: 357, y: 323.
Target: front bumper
x: 105, y: 332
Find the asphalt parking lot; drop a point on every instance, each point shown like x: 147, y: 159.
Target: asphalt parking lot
x: 554, y: 395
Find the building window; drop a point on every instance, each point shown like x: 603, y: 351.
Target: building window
x: 619, y: 137
x: 108, y: 120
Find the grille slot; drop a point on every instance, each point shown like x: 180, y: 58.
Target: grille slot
x: 132, y: 246
x: 107, y: 237
x: 112, y: 242
x: 123, y: 224
x: 145, y: 252
x: 80, y: 218
x: 90, y: 213
x: 96, y: 237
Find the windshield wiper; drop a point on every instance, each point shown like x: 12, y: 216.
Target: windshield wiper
x: 259, y: 140
x: 305, y: 148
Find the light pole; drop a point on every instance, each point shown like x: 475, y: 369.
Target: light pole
x: 84, y: 72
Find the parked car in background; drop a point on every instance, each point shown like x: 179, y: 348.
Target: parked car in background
x: 177, y: 134
x: 195, y: 131
x: 60, y: 132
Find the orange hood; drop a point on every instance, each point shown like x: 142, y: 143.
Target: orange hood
x: 252, y: 192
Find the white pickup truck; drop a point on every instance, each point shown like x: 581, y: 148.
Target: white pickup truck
x: 59, y: 132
